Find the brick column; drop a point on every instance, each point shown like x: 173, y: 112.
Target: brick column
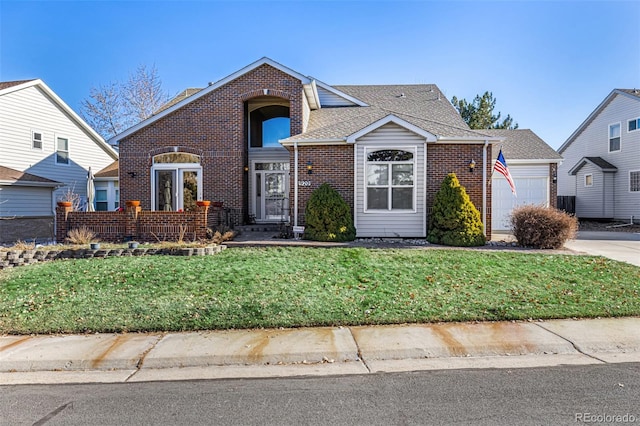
x: 201, y: 221
x: 131, y: 224
x: 62, y: 214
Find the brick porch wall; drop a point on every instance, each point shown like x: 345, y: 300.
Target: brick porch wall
x: 135, y: 224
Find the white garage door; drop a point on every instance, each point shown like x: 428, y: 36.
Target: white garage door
x: 530, y: 191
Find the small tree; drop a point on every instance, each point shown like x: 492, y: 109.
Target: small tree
x: 328, y: 216
x: 455, y: 221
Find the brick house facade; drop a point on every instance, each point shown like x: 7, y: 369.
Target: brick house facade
x: 386, y: 149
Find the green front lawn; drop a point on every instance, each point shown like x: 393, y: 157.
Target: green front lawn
x: 292, y: 287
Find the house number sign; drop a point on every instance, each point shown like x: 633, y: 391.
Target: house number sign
x: 304, y: 183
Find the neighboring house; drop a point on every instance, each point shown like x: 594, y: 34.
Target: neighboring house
x: 25, y: 206
x: 263, y: 138
x: 601, y: 165
x: 42, y: 138
x: 533, y: 166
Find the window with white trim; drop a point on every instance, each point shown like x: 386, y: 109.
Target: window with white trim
x: 390, y: 180
x: 633, y: 125
x: 62, y: 150
x: 634, y: 181
x: 36, y: 140
x: 588, y: 180
x: 614, y: 137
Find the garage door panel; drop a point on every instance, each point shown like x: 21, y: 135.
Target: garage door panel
x: 530, y: 191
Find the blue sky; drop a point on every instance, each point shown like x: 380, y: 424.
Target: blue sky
x: 548, y: 64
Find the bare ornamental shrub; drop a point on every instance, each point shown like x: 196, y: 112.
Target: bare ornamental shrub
x: 542, y: 227
x: 81, y: 235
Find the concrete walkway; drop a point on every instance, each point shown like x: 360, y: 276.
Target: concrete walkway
x: 315, y: 351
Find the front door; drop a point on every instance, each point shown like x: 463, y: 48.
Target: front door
x: 271, y: 189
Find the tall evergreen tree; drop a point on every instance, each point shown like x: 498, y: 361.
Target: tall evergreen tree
x: 479, y: 113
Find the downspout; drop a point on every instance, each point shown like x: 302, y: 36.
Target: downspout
x: 484, y: 187
x: 295, y: 183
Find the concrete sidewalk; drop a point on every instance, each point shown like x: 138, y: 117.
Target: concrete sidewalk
x: 315, y: 351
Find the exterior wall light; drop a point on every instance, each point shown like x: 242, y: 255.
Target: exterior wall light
x: 472, y: 165
x: 309, y: 167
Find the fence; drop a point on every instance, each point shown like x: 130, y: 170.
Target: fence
x: 567, y: 203
x: 133, y: 223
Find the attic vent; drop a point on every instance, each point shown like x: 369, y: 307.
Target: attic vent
x: 401, y: 95
x: 211, y: 83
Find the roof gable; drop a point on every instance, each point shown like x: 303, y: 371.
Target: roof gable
x: 599, y: 162
x: 309, y: 85
x: 630, y: 93
x: 391, y: 119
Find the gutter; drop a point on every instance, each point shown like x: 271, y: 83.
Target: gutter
x: 484, y: 187
x: 295, y: 184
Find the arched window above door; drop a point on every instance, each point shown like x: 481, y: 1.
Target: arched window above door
x: 176, y: 157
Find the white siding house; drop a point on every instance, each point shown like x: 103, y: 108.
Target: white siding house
x: 41, y: 136
x: 601, y: 165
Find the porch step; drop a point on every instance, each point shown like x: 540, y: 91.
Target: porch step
x: 261, y: 227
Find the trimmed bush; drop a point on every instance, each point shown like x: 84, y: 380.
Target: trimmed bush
x: 328, y: 217
x: 542, y: 227
x: 455, y: 221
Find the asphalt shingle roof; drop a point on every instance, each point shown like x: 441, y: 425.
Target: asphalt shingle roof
x: 7, y: 84
x: 521, y: 144
x: 422, y: 105
x: 15, y: 176
x: 110, y: 171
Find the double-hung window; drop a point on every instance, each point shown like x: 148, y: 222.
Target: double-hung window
x: 634, y: 181
x: 62, y: 150
x: 36, y: 140
x: 614, y: 137
x: 390, y: 180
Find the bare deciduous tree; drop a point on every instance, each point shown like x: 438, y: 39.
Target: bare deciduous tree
x: 114, y: 107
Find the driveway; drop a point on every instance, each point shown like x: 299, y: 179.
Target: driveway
x: 622, y: 246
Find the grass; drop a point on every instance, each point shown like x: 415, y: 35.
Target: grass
x: 292, y: 287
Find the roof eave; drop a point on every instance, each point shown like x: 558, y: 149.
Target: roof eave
x: 327, y: 141
x: 28, y: 183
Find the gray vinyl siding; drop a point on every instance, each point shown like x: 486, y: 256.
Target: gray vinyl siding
x: 329, y: 99
x: 30, y: 109
x: 594, y: 201
x: 594, y: 142
x: 390, y: 224
x: 20, y: 201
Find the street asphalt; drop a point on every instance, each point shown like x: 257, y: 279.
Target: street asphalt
x: 135, y: 357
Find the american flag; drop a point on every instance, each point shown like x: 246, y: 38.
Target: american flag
x: 501, y: 167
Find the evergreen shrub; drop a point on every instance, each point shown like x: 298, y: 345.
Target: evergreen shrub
x: 542, y: 227
x: 454, y: 220
x: 328, y: 217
